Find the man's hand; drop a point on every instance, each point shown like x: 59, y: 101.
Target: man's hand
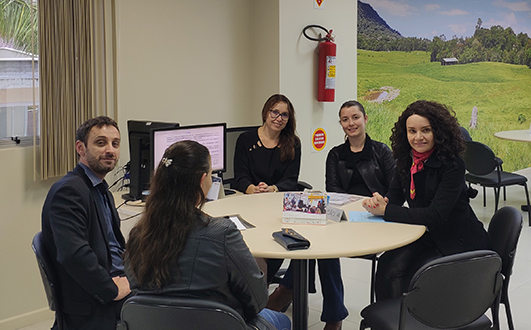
x: 123, y: 287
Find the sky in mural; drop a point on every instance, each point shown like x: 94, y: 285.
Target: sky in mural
x: 427, y: 19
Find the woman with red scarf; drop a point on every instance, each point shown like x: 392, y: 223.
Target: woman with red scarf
x: 427, y: 145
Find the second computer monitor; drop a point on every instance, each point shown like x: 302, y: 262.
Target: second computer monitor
x: 211, y: 136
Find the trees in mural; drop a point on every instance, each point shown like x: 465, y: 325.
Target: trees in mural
x: 495, y: 44
x: 486, y: 45
x: 18, y: 25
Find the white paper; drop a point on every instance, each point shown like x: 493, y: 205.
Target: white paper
x: 213, y: 193
x: 341, y: 199
x: 238, y: 223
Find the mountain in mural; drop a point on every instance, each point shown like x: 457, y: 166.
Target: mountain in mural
x: 372, y: 26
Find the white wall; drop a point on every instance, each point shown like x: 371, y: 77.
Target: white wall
x: 186, y: 61
x: 222, y: 59
x: 21, y: 201
x: 298, y: 74
x: 192, y: 62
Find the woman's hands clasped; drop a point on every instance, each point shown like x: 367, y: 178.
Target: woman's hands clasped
x: 261, y: 188
x: 376, y: 204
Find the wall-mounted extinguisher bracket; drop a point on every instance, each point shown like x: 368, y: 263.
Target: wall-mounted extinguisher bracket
x: 326, y: 80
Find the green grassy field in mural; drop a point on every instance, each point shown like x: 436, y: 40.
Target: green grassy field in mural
x: 501, y: 92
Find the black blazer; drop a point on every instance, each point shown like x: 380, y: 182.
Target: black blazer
x: 377, y: 167
x: 74, y: 232
x: 441, y: 204
x: 254, y: 163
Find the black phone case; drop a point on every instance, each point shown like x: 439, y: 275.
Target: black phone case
x: 291, y: 243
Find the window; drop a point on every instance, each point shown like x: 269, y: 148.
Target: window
x: 19, y: 74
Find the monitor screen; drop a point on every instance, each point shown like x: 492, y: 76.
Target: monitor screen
x: 139, y: 133
x: 211, y: 136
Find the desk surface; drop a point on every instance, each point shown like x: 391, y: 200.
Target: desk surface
x: 523, y: 135
x: 344, y: 239
x: 332, y: 240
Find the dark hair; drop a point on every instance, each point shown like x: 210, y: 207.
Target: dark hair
x: 352, y: 103
x: 172, y: 209
x: 83, y: 131
x: 448, y: 140
x: 288, y: 138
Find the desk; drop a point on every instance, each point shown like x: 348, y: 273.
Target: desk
x: 334, y: 240
x: 523, y: 135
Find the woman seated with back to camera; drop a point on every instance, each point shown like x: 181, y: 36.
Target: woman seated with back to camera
x: 177, y: 249
x: 430, y: 177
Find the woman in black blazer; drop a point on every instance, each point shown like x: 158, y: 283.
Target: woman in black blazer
x: 360, y: 165
x: 427, y: 145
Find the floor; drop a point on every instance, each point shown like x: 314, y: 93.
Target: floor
x: 356, y: 273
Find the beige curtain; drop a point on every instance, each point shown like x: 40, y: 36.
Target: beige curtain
x: 77, y: 75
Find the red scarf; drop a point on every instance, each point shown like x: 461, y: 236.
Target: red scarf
x: 417, y: 166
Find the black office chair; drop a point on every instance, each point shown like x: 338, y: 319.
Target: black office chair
x: 485, y: 169
x: 49, y: 278
x: 449, y: 292
x: 504, y: 232
x: 144, y: 312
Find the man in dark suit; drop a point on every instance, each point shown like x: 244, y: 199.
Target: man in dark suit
x: 81, y: 230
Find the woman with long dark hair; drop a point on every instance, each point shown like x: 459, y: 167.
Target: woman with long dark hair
x: 177, y: 249
x: 360, y: 166
x: 269, y: 159
x: 428, y: 146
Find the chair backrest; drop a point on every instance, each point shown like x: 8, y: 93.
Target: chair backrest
x: 47, y: 270
x: 504, y: 232
x: 479, y: 158
x: 232, y: 136
x: 455, y: 290
x: 159, y: 312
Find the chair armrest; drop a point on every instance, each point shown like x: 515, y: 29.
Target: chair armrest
x: 301, y: 185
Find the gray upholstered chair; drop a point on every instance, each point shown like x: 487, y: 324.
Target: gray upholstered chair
x: 504, y: 232
x: 449, y: 292
x: 49, y: 278
x: 145, y: 312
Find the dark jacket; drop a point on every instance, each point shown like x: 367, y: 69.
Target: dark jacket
x: 376, y: 166
x: 254, y: 163
x: 441, y: 204
x: 216, y: 264
x: 73, y: 228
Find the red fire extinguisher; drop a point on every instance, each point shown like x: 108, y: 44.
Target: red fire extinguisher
x: 326, y: 80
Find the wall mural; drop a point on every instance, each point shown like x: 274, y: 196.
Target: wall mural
x: 474, y: 56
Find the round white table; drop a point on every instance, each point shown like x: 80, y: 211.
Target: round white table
x: 333, y: 240
x: 523, y: 135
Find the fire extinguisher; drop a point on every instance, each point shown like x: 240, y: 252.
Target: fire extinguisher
x: 326, y: 80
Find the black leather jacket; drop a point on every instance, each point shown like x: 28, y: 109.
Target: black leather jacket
x: 216, y: 264
x: 377, y: 167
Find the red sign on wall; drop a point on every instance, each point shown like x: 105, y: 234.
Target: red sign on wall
x: 319, y: 139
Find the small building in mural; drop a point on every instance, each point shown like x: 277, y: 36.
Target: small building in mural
x: 449, y: 61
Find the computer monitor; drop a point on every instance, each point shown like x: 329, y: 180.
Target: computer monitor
x: 139, y: 133
x: 232, y: 136
x: 211, y: 136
